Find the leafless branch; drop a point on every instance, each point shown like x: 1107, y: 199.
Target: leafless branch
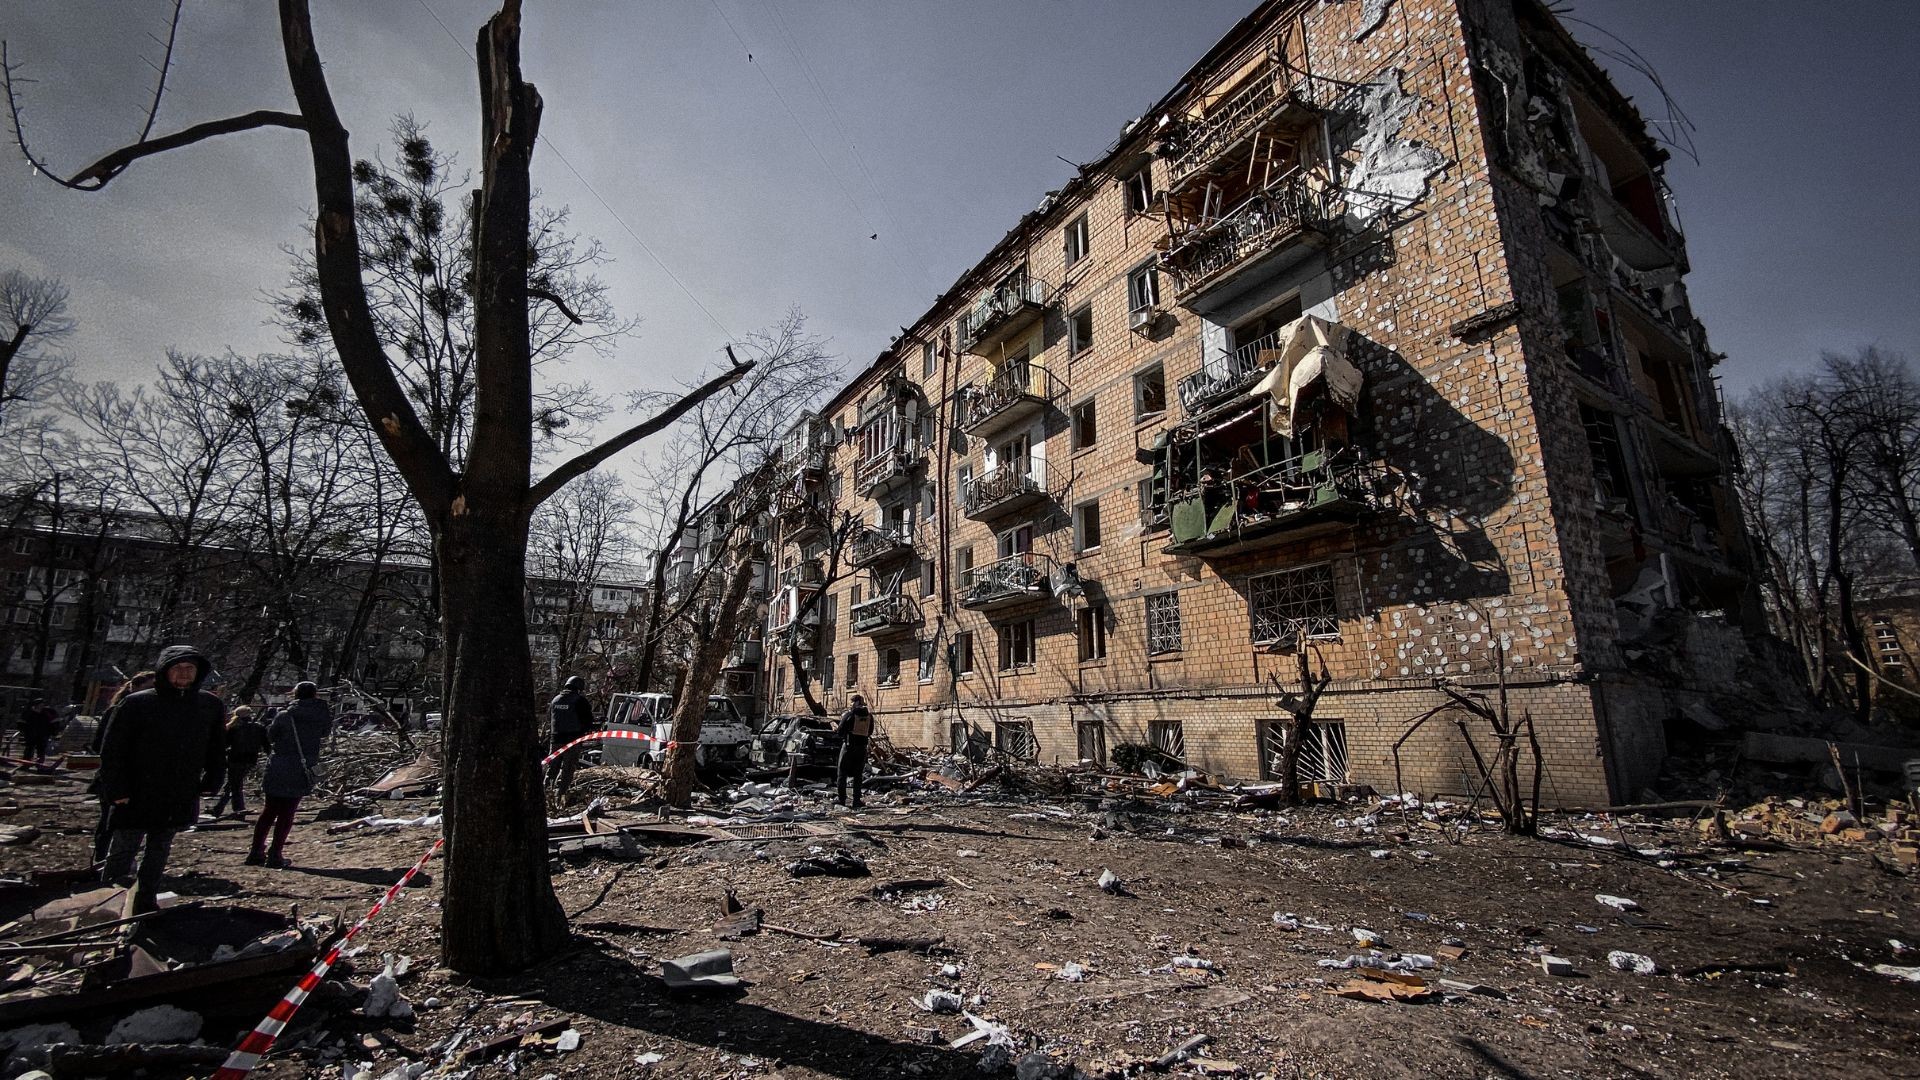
x: 166, y: 65
x: 554, y: 299
x: 585, y: 462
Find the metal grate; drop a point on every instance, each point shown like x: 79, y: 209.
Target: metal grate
x: 1014, y: 738
x: 1163, y: 622
x: 1169, y: 737
x: 1289, y: 604
x: 1323, y: 755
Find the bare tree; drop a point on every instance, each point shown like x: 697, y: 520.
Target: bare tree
x: 33, y: 315
x: 580, y: 538
x: 1300, y: 706
x: 721, y: 439
x: 500, y: 914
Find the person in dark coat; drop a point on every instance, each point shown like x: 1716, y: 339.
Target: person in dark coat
x: 297, y: 735
x: 164, y: 748
x: 246, y: 741
x: 855, y: 728
x: 572, y: 716
x: 103, y: 832
x: 36, y: 729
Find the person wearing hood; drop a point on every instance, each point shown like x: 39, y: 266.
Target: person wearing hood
x: 572, y: 716
x: 164, y: 747
x: 296, y: 736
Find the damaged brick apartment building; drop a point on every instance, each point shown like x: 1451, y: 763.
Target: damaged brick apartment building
x: 1368, y: 339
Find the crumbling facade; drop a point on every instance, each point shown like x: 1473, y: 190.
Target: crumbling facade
x: 1367, y: 339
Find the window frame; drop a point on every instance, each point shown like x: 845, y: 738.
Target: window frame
x: 1286, y: 590
x: 1141, y: 379
x: 1076, y: 241
x: 961, y: 654
x: 1082, y: 514
x: 1149, y: 274
x: 1019, y: 645
x: 1080, y: 341
x: 1091, y: 627
x: 1084, y: 426
x: 1157, y: 642
x: 1138, y: 186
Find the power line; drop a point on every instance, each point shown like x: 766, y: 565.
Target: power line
x: 608, y: 207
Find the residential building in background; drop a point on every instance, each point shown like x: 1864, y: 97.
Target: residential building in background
x: 1368, y: 339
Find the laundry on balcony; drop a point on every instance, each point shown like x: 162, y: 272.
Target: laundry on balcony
x: 1310, y: 350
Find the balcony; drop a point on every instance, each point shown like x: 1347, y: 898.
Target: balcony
x: 806, y: 572
x: 1267, y: 104
x: 803, y: 516
x: 1006, y: 490
x: 1005, y: 583
x: 1228, y: 374
x: 884, y: 614
x: 1313, y: 494
x: 747, y: 654
x: 994, y: 320
x: 784, y: 616
x: 1020, y: 392
x: 891, y: 468
x: 878, y: 545
x: 1274, y: 229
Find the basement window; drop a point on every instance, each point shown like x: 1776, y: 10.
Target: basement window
x: 1169, y: 737
x: 1323, y: 753
x: 1014, y: 738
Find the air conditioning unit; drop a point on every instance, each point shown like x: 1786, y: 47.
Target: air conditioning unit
x: 1142, y: 319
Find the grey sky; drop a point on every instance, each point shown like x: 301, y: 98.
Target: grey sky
x: 1800, y: 215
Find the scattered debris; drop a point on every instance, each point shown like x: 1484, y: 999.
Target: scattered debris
x: 1634, y: 962
x: 712, y: 970
x: 836, y: 864
x: 1554, y: 965
x: 1617, y: 903
x: 156, y: 1024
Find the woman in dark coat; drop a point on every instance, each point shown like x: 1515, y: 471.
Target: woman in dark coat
x: 296, y: 735
x: 164, y: 748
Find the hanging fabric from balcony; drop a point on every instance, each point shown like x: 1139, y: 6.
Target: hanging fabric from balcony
x: 1312, y: 350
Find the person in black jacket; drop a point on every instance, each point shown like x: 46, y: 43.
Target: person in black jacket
x: 855, y: 728
x: 572, y: 716
x: 36, y: 730
x: 164, y: 747
x: 246, y: 741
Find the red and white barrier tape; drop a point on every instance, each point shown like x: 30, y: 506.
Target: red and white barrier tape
x: 591, y: 736
x: 258, y: 1041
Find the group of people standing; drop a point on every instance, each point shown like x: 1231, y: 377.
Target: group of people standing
x: 165, y: 742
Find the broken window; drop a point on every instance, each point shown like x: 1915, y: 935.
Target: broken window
x: 1139, y: 187
x: 1014, y: 738
x: 1017, y: 645
x: 1287, y: 605
x: 1084, y: 431
x: 1149, y: 392
x: 1169, y: 737
x: 926, y: 577
x: 929, y: 360
x: 962, y: 662
x: 958, y: 737
x: 1610, y: 476
x: 1163, y: 623
x: 1143, y: 288
x: 890, y: 668
x: 1093, y: 632
x: 1086, y: 526
x: 853, y: 671
x: 1090, y: 738
x: 1323, y: 752
x: 1076, y: 240
x: 826, y: 674
x: 1080, y: 330
x: 928, y: 651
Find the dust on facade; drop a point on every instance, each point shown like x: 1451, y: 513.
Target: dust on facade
x: 1370, y: 339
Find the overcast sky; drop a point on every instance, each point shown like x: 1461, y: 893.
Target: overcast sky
x: 934, y: 124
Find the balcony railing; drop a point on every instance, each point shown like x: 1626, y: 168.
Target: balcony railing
x: 807, y: 572
x: 801, y: 515
x: 1276, y: 217
x: 998, y: 315
x: 1317, y: 492
x: 875, y: 544
x: 1267, y: 100
x: 1013, y: 486
x: 884, y: 613
x: 747, y: 653
x: 885, y: 470
x: 1019, y: 392
x: 1006, y: 582
x: 1228, y: 373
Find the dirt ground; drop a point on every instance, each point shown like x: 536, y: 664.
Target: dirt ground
x: 1021, y: 901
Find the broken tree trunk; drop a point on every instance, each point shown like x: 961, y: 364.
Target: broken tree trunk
x: 709, y: 653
